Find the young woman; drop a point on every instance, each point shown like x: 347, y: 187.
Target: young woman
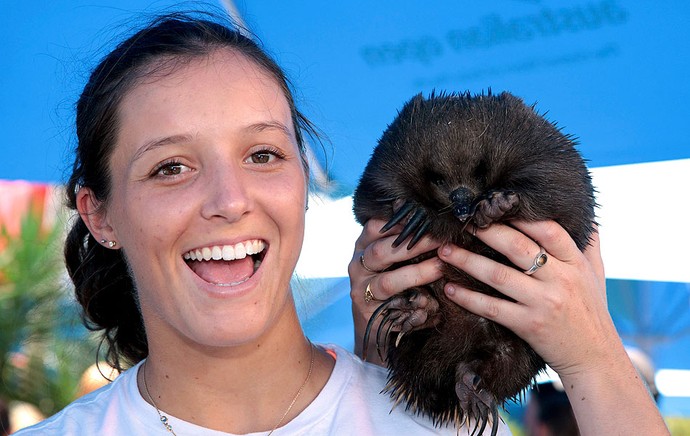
x: 190, y: 181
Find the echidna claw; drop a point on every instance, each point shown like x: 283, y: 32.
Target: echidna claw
x: 397, y: 340
x: 398, y: 216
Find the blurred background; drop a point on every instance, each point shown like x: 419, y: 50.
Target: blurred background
x: 612, y: 73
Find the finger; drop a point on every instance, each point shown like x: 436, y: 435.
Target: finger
x: 389, y: 283
x: 560, y: 245
x: 593, y: 254
x: 519, y: 248
x: 505, y: 279
x: 380, y: 254
x: 552, y: 236
x: 370, y: 233
x: 364, y: 265
x: 504, y: 312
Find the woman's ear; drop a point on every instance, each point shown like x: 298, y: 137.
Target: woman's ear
x: 94, y: 215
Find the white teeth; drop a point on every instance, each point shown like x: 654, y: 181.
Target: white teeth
x: 240, y: 251
x: 255, y: 246
x: 226, y: 252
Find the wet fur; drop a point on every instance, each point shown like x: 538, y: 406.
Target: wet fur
x: 450, y: 160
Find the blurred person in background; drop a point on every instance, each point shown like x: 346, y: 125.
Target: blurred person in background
x: 549, y: 413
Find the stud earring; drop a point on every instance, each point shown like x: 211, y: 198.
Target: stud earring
x: 111, y: 244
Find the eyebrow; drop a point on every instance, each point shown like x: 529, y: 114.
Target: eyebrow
x: 176, y: 139
x: 160, y: 142
x: 270, y: 125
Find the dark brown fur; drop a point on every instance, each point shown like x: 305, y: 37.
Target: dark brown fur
x: 449, y: 161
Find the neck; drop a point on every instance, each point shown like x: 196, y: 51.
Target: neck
x: 257, y: 380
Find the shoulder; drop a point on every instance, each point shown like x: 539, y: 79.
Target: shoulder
x: 90, y: 414
x: 80, y: 414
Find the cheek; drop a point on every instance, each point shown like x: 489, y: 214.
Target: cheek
x: 286, y: 201
x: 141, y: 220
x: 292, y: 195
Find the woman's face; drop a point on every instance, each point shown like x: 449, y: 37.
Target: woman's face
x: 208, y: 199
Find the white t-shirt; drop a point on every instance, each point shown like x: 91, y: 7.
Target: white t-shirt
x: 349, y: 404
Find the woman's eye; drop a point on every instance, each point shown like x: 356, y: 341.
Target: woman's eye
x: 265, y: 156
x: 171, y: 169
x: 262, y: 157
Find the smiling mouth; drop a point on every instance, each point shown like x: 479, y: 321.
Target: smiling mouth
x: 227, y: 265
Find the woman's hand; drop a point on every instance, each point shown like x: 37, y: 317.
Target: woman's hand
x: 561, y: 311
x: 373, y: 254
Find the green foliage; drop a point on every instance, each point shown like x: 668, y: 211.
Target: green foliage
x: 42, y: 355
x: 678, y: 426
x: 515, y: 427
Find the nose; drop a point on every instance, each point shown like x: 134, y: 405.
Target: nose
x: 462, y: 199
x: 226, y: 194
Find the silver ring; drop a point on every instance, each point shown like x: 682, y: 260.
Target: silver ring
x: 368, y: 295
x: 539, y: 261
x: 364, y: 265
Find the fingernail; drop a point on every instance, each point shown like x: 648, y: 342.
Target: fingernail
x: 450, y: 290
x: 445, y: 250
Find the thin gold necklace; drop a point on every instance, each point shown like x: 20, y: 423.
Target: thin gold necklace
x: 165, y: 421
